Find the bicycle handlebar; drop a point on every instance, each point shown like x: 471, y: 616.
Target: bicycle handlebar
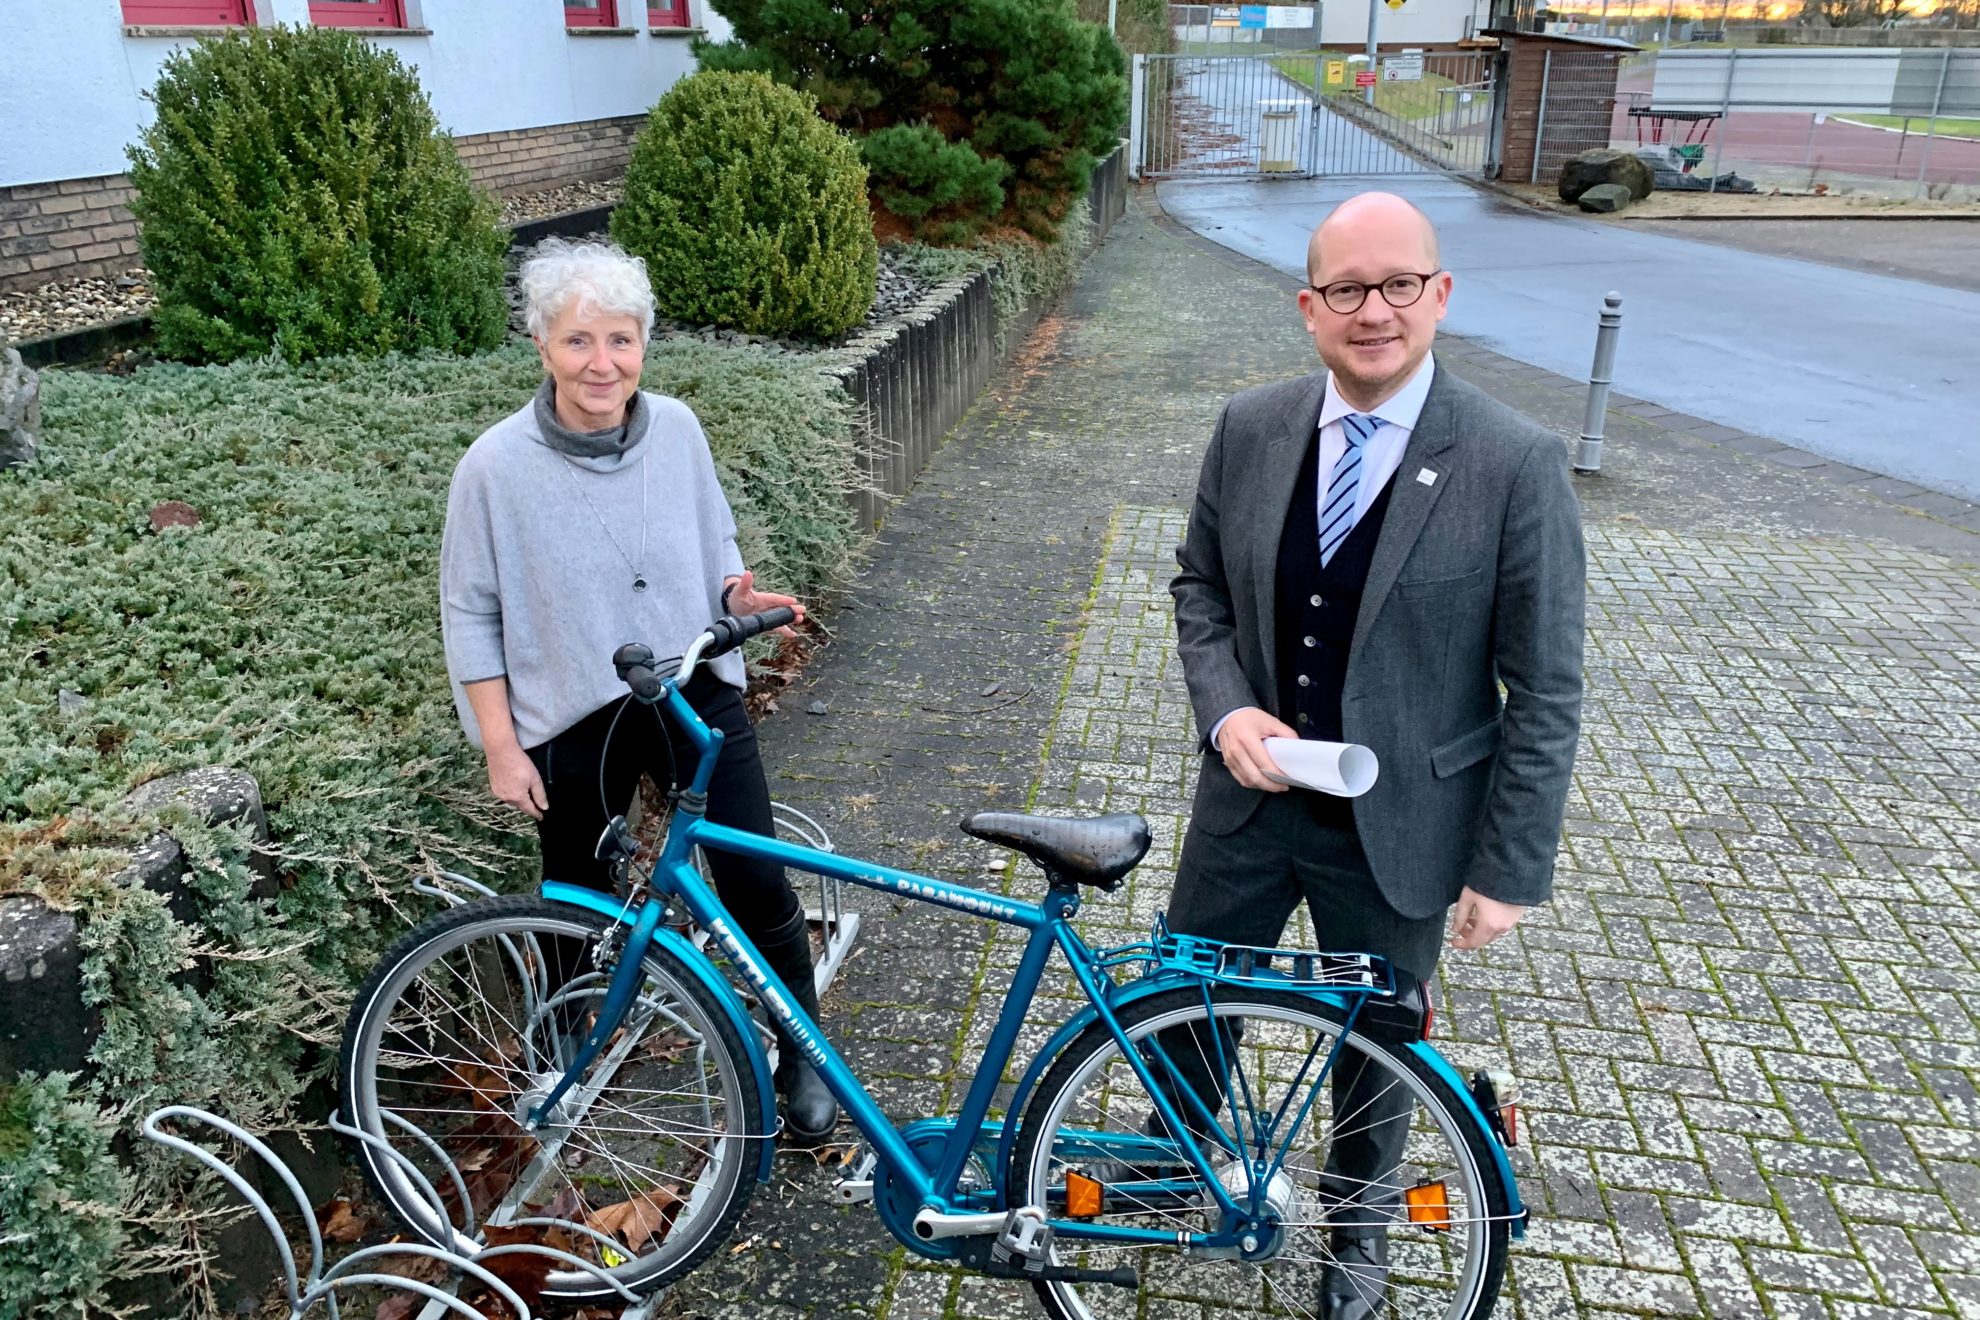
x: 634, y: 660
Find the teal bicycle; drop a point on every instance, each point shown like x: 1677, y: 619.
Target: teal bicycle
x: 572, y: 1065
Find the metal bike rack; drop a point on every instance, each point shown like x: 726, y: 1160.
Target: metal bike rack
x: 840, y: 927
x: 323, y: 1281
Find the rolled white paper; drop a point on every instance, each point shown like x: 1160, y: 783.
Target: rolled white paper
x: 1343, y: 769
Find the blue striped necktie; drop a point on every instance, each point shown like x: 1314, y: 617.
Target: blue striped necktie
x: 1337, y: 512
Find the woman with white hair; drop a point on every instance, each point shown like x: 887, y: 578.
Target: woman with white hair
x: 589, y: 518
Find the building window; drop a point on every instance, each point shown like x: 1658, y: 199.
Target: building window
x: 186, y: 12
x: 667, y: 13
x: 590, y: 13
x: 357, y: 13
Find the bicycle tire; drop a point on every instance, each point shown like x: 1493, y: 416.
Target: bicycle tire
x: 517, y: 938
x: 1477, y: 1210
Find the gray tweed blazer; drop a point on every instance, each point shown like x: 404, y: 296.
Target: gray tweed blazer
x: 1478, y: 581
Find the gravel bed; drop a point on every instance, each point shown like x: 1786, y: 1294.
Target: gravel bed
x: 78, y: 304
x: 73, y: 304
x: 556, y: 201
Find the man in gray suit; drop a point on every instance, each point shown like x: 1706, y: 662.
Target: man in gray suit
x: 1374, y: 549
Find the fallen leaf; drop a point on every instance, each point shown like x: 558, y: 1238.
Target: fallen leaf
x: 173, y: 513
x: 668, y: 1047
x: 402, y: 1305
x: 524, y: 1271
x: 336, y: 1222
x: 637, y: 1221
x: 567, y: 1204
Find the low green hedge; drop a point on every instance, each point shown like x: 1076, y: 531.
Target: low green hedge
x: 1023, y: 271
x: 294, y: 633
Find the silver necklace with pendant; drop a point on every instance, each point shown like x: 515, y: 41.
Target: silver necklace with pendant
x: 639, y: 574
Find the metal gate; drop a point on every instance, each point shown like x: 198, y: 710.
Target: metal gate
x: 1295, y: 114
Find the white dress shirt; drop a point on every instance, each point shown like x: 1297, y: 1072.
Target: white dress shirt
x: 1381, y: 453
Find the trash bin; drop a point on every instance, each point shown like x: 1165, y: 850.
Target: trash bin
x: 1278, y: 137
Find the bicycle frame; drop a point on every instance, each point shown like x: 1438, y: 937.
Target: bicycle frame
x: 928, y: 1184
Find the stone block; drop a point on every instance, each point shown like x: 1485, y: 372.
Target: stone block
x: 218, y: 795
x: 20, y: 410
x: 44, y: 1026
x: 1605, y: 197
x: 1604, y: 166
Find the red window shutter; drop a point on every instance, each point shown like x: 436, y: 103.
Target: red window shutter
x: 357, y: 13
x: 160, y: 13
x: 596, y: 13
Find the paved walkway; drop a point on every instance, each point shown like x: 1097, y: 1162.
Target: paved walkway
x: 1857, y: 367
x: 1748, y: 1020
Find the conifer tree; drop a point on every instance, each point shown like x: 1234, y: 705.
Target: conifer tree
x: 969, y: 112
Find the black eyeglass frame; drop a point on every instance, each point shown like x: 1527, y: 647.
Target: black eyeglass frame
x: 1366, y: 289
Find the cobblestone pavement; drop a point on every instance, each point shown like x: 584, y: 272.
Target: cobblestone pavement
x: 1747, y: 1021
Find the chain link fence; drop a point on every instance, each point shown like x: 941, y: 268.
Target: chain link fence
x: 1888, y: 124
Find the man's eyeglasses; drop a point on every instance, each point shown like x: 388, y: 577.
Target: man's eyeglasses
x: 1346, y: 296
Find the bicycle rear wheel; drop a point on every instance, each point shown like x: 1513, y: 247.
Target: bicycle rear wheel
x: 1090, y: 1121
x: 469, y: 1021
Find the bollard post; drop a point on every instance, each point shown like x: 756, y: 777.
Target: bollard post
x: 1588, y: 458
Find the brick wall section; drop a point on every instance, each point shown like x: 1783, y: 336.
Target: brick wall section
x: 82, y: 227
x: 528, y: 159
x: 1580, y: 100
x: 1522, y: 93
x: 66, y: 229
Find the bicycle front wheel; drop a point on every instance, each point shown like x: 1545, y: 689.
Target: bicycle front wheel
x: 466, y: 1025
x: 1378, y: 1183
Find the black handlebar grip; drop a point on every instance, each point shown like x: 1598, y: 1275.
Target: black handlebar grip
x: 634, y: 663
x: 730, y: 632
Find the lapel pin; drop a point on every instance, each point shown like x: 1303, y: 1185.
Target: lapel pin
x: 1426, y: 476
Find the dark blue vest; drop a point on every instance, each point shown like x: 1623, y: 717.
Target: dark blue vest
x: 1316, y: 610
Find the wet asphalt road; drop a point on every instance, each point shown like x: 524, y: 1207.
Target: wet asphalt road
x: 1864, y: 368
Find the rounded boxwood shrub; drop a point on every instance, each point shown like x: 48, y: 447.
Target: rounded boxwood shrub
x: 749, y: 209
x: 295, y: 194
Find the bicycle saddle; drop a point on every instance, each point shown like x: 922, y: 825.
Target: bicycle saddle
x: 1090, y: 850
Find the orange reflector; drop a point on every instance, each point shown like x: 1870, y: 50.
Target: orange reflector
x: 1511, y: 1116
x: 1429, y: 1205
x: 1082, y: 1196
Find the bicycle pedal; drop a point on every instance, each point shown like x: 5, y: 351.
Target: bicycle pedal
x: 856, y: 1188
x: 1025, y: 1237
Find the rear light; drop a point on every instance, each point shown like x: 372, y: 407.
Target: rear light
x: 1496, y: 1092
x: 1429, y: 1010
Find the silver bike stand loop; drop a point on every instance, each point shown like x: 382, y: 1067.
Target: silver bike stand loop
x: 322, y: 1281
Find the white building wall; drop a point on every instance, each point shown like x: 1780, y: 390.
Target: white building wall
x: 1344, y: 23
x: 72, y: 83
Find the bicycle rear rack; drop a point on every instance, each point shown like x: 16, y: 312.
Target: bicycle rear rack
x: 322, y: 1282
x: 1252, y: 966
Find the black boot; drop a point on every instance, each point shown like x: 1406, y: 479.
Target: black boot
x: 810, y: 1112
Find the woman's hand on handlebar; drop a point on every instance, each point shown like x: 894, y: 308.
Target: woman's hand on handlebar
x: 512, y: 777
x: 745, y: 599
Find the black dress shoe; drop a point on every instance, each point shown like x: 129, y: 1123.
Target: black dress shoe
x: 1355, y: 1283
